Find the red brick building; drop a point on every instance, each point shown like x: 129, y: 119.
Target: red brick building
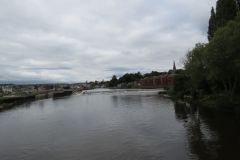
x: 158, y: 81
x: 161, y: 81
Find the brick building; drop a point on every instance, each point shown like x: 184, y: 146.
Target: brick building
x: 158, y: 81
x: 161, y: 81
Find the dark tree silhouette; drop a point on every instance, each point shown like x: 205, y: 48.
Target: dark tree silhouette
x: 212, y: 24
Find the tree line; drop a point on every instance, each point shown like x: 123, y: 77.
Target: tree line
x: 133, y: 77
x: 213, y: 69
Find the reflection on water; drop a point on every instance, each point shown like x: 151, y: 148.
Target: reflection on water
x: 118, y: 125
x: 210, y: 135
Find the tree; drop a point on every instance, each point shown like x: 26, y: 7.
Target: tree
x: 195, y: 65
x: 113, y: 82
x: 223, y: 57
x: 130, y: 77
x: 212, y: 24
x: 226, y: 10
x: 182, y: 85
x: 154, y: 73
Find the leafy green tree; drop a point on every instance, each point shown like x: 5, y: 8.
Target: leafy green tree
x: 226, y: 10
x: 214, y: 68
x: 223, y: 57
x: 195, y: 65
x: 182, y: 85
x: 154, y: 73
x: 212, y: 24
x: 113, y: 82
x: 130, y: 77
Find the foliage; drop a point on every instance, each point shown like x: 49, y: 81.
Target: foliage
x: 113, y: 82
x: 154, y: 73
x: 214, y: 68
x: 130, y: 77
x: 212, y: 24
x: 182, y: 85
x: 126, y: 81
x: 223, y: 56
x: 196, y: 69
x: 226, y: 10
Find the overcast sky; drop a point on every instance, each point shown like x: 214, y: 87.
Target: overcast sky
x: 79, y: 40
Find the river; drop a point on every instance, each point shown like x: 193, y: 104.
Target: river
x: 116, y: 125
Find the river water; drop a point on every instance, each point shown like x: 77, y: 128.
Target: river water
x: 116, y: 125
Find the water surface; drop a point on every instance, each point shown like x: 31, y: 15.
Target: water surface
x: 115, y: 125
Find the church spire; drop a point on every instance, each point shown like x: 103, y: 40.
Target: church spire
x: 174, y: 67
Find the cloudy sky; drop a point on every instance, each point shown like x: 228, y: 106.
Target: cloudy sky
x: 79, y: 40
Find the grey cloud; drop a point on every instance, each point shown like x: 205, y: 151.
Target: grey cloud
x: 72, y: 40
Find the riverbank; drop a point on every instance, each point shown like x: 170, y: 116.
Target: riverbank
x: 11, y: 101
x: 212, y: 104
